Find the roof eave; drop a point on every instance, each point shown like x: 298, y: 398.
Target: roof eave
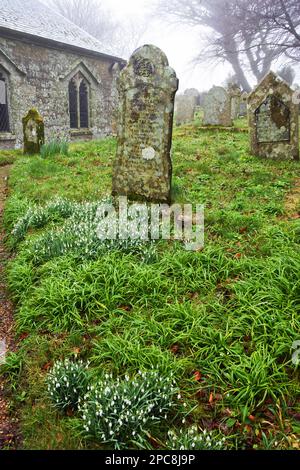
x: 50, y: 43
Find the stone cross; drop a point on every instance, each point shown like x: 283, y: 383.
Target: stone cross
x: 217, y: 108
x: 147, y: 88
x: 273, y: 119
x: 33, y: 132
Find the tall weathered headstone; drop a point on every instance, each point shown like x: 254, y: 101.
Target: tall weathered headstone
x: 33, y: 132
x: 147, y: 88
x: 273, y: 119
x: 185, y: 108
x: 235, y: 93
x: 243, y: 104
x: 217, y: 108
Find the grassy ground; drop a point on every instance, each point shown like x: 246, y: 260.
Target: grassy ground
x: 223, y: 320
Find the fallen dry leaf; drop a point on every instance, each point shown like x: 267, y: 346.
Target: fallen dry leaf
x: 197, y: 375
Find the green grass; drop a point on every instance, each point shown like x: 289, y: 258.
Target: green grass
x: 7, y: 157
x: 55, y: 147
x: 228, y: 314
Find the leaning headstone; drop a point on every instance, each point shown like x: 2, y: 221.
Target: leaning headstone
x: 243, y: 104
x: 33, y: 132
x: 217, y: 108
x: 185, y: 108
x: 147, y: 88
x: 273, y: 119
x: 235, y: 93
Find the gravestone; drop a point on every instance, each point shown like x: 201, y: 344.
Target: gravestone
x: 273, y: 119
x: 193, y: 92
x: 217, y: 108
x: 147, y: 88
x: 33, y: 132
x: 185, y: 108
x: 235, y: 100
x: 202, y: 98
x: 243, y: 104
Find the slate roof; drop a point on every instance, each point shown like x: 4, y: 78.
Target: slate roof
x: 33, y: 18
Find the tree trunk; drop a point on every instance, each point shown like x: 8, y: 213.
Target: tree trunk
x: 241, y: 77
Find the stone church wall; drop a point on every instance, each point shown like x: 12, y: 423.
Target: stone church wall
x: 38, y: 77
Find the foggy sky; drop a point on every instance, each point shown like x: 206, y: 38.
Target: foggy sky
x: 180, y: 46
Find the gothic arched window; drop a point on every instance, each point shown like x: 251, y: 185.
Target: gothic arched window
x: 84, y: 105
x: 4, y: 115
x: 73, y: 105
x: 79, y: 103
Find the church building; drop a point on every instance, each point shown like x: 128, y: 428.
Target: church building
x: 49, y: 64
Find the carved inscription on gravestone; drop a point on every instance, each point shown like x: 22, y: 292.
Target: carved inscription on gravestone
x: 143, y: 67
x: 147, y: 88
x: 272, y: 121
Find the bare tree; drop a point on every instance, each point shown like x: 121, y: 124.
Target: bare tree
x: 129, y: 37
x: 281, y: 18
x: 287, y: 73
x: 240, y: 32
x: 91, y: 16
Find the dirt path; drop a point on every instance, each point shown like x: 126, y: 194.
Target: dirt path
x: 8, y: 425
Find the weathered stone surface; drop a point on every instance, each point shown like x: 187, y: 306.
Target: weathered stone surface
x: 39, y: 77
x: 217, y: 108
x: 243, y: 104
x: 33, y: 131
x: 273, y: 119
x: 194, y: 93
x: 235, y: 93
x: 147, y: 88
x: 185, y: 107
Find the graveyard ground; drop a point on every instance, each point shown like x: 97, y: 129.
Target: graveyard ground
x: 222, y: 320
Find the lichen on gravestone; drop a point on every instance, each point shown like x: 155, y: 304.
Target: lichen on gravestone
x: 147, y: 88
x: 217, y: 107
x: 273, y: 119
x: 185, y: 108
x: 33, y: 132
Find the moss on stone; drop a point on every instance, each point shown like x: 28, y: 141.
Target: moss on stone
x: 33, y: 132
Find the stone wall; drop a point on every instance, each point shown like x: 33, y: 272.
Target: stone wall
x: 38, y: 77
